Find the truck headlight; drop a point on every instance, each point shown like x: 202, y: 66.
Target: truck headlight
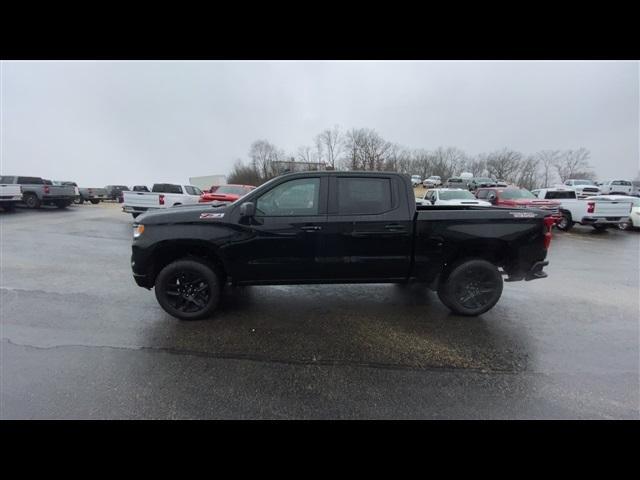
x: 138, y: 229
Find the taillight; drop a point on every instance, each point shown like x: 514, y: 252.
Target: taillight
x: 591, y: 207
x: 46, y: 189
x: 161, y: 199
x: 548, y: 223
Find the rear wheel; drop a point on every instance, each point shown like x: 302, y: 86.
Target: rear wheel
x: 62, y: 204
x: 626, y: 225
x: 31, y: 200
x: 600, y: 228
x: 565, y: 223
x: 471, y: 288
x: 79, y: 200
x: 188, y: 289
x: 94, y: 201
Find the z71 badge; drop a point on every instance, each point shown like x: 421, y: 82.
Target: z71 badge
x: 211, y: 215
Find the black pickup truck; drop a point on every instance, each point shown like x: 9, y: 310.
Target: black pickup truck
x: 336, y: 227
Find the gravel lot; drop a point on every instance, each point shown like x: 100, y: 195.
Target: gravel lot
x: 80, y: 340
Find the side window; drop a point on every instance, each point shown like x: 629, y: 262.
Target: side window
x: 483, y: 193
x: 363, y: 196
x: 192, y: 190
x: 295, y: 197
x: 30, y: 181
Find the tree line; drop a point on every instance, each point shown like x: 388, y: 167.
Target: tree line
x: 365, y: 149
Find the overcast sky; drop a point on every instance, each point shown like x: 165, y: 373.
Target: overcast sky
x: 102, y: 123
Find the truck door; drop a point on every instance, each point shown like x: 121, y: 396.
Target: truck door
x: 369, y: 229
x: 285, y: 233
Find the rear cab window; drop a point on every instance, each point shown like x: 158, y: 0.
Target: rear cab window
x: 166, y: 188
x: 363, y: 196
x: 560, y: 195
x: 30, y: 181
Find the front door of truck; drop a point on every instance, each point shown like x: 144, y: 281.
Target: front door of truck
x: 284, y: 236
x: 369, y: 229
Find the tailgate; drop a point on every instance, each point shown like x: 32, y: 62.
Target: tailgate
x: 141, y: 199
x: 10, y: 191
x: 607, y: 208
x: 61, y: 191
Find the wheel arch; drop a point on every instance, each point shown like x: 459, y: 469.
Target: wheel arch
x: 170, y: 251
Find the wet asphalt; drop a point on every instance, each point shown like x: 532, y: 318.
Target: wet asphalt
x: 80, y: 340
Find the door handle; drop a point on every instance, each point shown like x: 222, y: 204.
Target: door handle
x: 394, y: 227
x: 311, y: 228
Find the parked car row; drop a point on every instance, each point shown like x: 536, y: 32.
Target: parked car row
x: 34, y: 192
x: 167, y: 195
x: 564, y: 204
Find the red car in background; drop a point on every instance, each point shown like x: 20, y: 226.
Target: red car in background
x: 518, y: 198
x: 225, y: 193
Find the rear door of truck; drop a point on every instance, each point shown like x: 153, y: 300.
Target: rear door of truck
x: 369, y: 228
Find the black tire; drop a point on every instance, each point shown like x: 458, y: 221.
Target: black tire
x: 566, y: 223
x: 62, y: 205
x: 31, y: 200
x: 471, y: 288
x: 95, y: 202
x: 600, y: 228
x: 80, y: 200
x: 188, y: 289
x: 626, y: 225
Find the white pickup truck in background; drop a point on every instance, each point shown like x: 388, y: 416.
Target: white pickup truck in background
x: 10, y: 195
x: 162, y: 195
x: 598, y: 212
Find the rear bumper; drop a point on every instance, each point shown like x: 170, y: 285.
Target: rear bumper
x: 536, y: 272
x: 131, y: 209
x: 603, y: 220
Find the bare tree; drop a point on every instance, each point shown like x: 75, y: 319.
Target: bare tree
x: 548, y: 159
x: 447, y: 162
x: 476, y: 166
x: 243, y: 174
x: 330, y: 144
x: 366, y: 150
x: 262, y: 154
x: 306, y: 154
x: 528, y: 175
x: 574, y: 163
x: 504, y: 164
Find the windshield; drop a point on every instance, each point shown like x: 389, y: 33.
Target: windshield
x: 456, y: 195
x: 232, y: 189
x: 582, y: 182
x: 515, y: 194
x: 484, y: 180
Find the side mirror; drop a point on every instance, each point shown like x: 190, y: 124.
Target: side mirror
x: 247, y: 209
x: 492, y: 198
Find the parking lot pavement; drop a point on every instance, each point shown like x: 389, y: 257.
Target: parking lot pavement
x: 81, y: 340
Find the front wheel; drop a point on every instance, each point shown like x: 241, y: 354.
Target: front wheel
x: 188, y: 289
x: 471, y: 288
